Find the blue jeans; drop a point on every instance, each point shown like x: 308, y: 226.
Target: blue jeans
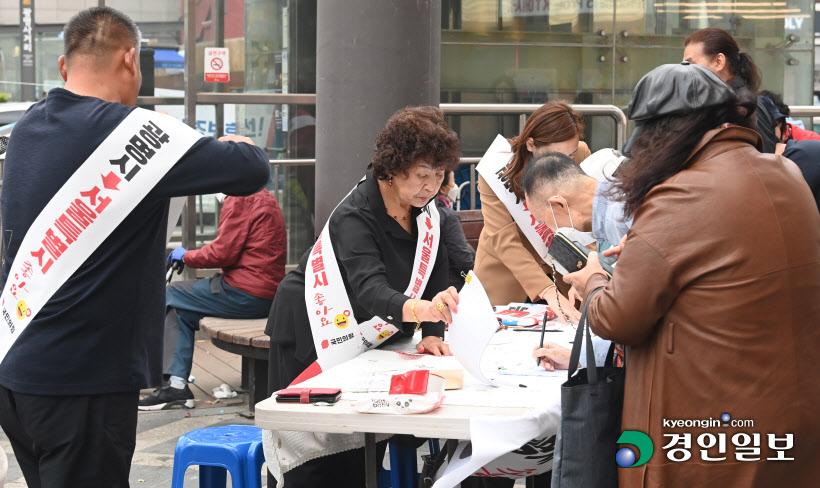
x: 187, y: 302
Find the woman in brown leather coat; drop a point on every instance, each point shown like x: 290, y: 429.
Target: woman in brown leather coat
x: 716, y: 292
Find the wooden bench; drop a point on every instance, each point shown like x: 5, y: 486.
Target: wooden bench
x: 472, y: 221
x: 245, y: 337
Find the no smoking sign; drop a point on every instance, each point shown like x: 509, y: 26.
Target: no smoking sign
x: 217, y: 66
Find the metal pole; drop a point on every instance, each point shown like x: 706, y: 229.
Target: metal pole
x: 370, y: 462
x: 219, y: 23
x: 276, y: 180
x: 472, y: 186
x: 355, y: 95
x: 189, y: 215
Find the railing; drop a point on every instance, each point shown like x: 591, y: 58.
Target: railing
x: 206, y: 98
x: 804, y: 111
x: 521, y: 109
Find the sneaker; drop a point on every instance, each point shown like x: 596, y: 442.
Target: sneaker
x: 167, y: 397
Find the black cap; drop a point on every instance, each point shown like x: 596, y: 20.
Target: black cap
x: 677, y: 89
x: 772, y: 108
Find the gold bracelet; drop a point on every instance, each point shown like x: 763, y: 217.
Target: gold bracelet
x: 558, y: 300
x: 413, y: 311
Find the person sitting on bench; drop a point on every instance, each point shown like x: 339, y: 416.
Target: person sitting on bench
x: 251, y: 248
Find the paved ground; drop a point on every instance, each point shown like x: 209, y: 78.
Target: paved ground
x: 157, y: 432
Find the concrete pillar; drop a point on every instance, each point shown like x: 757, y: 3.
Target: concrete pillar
x: 372, y: 58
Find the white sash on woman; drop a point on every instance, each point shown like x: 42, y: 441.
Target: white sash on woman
x: 337, y: 335
x: 86, y: 210
x: 491, y: 167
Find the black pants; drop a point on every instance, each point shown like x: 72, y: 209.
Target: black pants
x: 71, y: 441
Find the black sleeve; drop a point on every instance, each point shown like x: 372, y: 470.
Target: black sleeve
x: 460, y: 254
x: 359, y: 258
x: 765, y: 127
x: 211, y: 166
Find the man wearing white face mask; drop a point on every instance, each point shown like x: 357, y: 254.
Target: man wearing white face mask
x: 568, y: 200
x: 250, y: 248
x: 565, y: 198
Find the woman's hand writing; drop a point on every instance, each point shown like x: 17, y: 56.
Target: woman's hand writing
x: 553, y: 356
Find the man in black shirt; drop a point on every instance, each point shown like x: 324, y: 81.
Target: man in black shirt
x: 69, y: 385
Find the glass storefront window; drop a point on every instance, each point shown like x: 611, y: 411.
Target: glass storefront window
x: 595, y: 51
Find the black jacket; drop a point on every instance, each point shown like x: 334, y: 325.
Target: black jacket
x: 101, y: 332
x: 375, y: 256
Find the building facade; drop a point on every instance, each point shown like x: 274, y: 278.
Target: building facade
x: 492, y: 51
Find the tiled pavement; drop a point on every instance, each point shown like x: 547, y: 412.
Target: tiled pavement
x: 157, y: 432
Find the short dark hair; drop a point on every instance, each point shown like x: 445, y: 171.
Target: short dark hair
x: 447, y: 175
x: 716, y: 41
x: 551, y: 171
x: 98, y: 31
x: 411, y: 134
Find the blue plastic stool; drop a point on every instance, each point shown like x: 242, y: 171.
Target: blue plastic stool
x: 217, y: 450
x: 403, y: 472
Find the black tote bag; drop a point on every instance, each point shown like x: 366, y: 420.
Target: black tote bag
x: 591, y: 407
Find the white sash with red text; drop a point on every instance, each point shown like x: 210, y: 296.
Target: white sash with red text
x: 491, y: 167
x: 336, y: 334
x: 86, y: 210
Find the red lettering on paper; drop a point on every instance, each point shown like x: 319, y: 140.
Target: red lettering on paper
x: 27, y: 269
x: 317, y: 264
x: 428, y: 239
x: 320, y: 280
x: 54, y: 245
x: 110, y: 181
x: 92, y: 195
x: 39, y: 255
x: 425, y: 261
x: 68, y: 228
x: 544, y: 232
x: 417, y: 286
x: 81, y: 213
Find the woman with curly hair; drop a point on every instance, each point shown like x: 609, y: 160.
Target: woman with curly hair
x: 378, y: 270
